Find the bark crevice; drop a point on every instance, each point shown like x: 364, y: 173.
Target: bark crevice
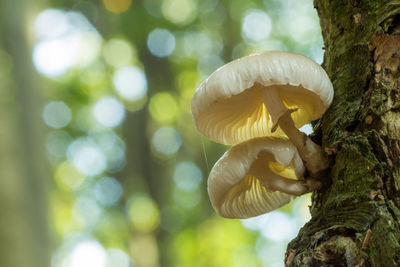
x: 361, y: 131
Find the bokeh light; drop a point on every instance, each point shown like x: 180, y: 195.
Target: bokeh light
x: 113, y: 147
x: 86, y: 211
x: 279, y: 227
x: 307, y: 129
x: 208, y: 64
x: 255, y: 223
x: 187, y: 176
x: 303, y: 29
x: 179, y: 11
x: 87, y: 254
x: 71, y: 42
x: 145, y: 250
x: 272, y: 253
x: 163, y: 107
x: 185, y: 199
x: 117, y: 6
x: 129, y: 184
x: 199, y: 44
x: 301, y: 208
x: 107, y: 191
x: 94, y: 76
x: 87, y: 157
x: 117, y: 258
x: 118, y: 53
x: 51, y: 23
x: 316, y: 51
x: 130, y: 83
x: 53, y: 58
x: 143, y: 213
x: 57, y: 114
x: 166, y: 140
x: 161, y: 42
x: 256, y: 26
x: 67, y: 177
x: 109, y: 112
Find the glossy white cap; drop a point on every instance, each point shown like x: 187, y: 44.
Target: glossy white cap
x: 227, y: 108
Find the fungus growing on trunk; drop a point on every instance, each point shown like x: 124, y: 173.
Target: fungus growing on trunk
x: 267, y: 94
x: 256, y: 177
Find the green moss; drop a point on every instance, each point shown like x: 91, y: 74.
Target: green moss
x: 384, y: 248
x: 376, y: 104
x: 362, y: 189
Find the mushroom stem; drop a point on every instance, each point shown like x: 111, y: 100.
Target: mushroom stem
x: 310, y: 152
x: 275, y: 182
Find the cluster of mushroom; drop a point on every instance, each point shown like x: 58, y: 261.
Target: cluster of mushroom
x: 257, y: 103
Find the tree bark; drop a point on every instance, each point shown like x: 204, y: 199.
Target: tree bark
x: 355, y: 216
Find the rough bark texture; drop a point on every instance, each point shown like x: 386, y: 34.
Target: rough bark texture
x: 355, y: 216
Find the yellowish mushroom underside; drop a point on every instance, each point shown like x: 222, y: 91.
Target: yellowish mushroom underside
x: 235, y: 189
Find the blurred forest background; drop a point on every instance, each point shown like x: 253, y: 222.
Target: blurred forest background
x: 100, y: 163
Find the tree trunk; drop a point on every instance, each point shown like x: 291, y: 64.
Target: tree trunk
x: 24, y: 239
x: 355, y: 216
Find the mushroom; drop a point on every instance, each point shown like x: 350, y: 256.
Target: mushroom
x: 256, y: 177
x: 267, y: 94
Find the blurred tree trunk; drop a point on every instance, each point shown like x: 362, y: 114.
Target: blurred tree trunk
x: 355, y: 217
x: 23, y: 221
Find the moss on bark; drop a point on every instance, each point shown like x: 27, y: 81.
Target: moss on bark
x: 361, y: 131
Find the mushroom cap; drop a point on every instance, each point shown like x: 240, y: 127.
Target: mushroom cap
x: 228, y: 107
x: 235, y: 193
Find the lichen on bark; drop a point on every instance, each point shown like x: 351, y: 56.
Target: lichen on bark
x: 355, y: 216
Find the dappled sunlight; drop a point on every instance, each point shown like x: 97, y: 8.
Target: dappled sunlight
x: 166, y: 141
x: 208, y: 64
x: 187, y: 176
x: 163, y: 108
x: 307, y: 129
x: 68, y: 177
x: 86, y: 211
x: 118, y: 53
x: 117, y: 258
x: 143, y: 213
x: 117, y: 6
x: 130, y: 83
x: 186, y: 199
x: 179, y: 11
x: 87, y: 157
x: 57, y: 114
x: 87, y: 254
x: 279, y: 227
x: 109, y: 112
x: 256, y: 26
x: 161, y: 42
x: 107, y: 191
x: 144, y: 250
x: 203, y: 43
x: 71, y: 42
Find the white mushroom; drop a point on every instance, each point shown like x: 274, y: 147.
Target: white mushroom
x: 252, y: 96
x: 256, y: 177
